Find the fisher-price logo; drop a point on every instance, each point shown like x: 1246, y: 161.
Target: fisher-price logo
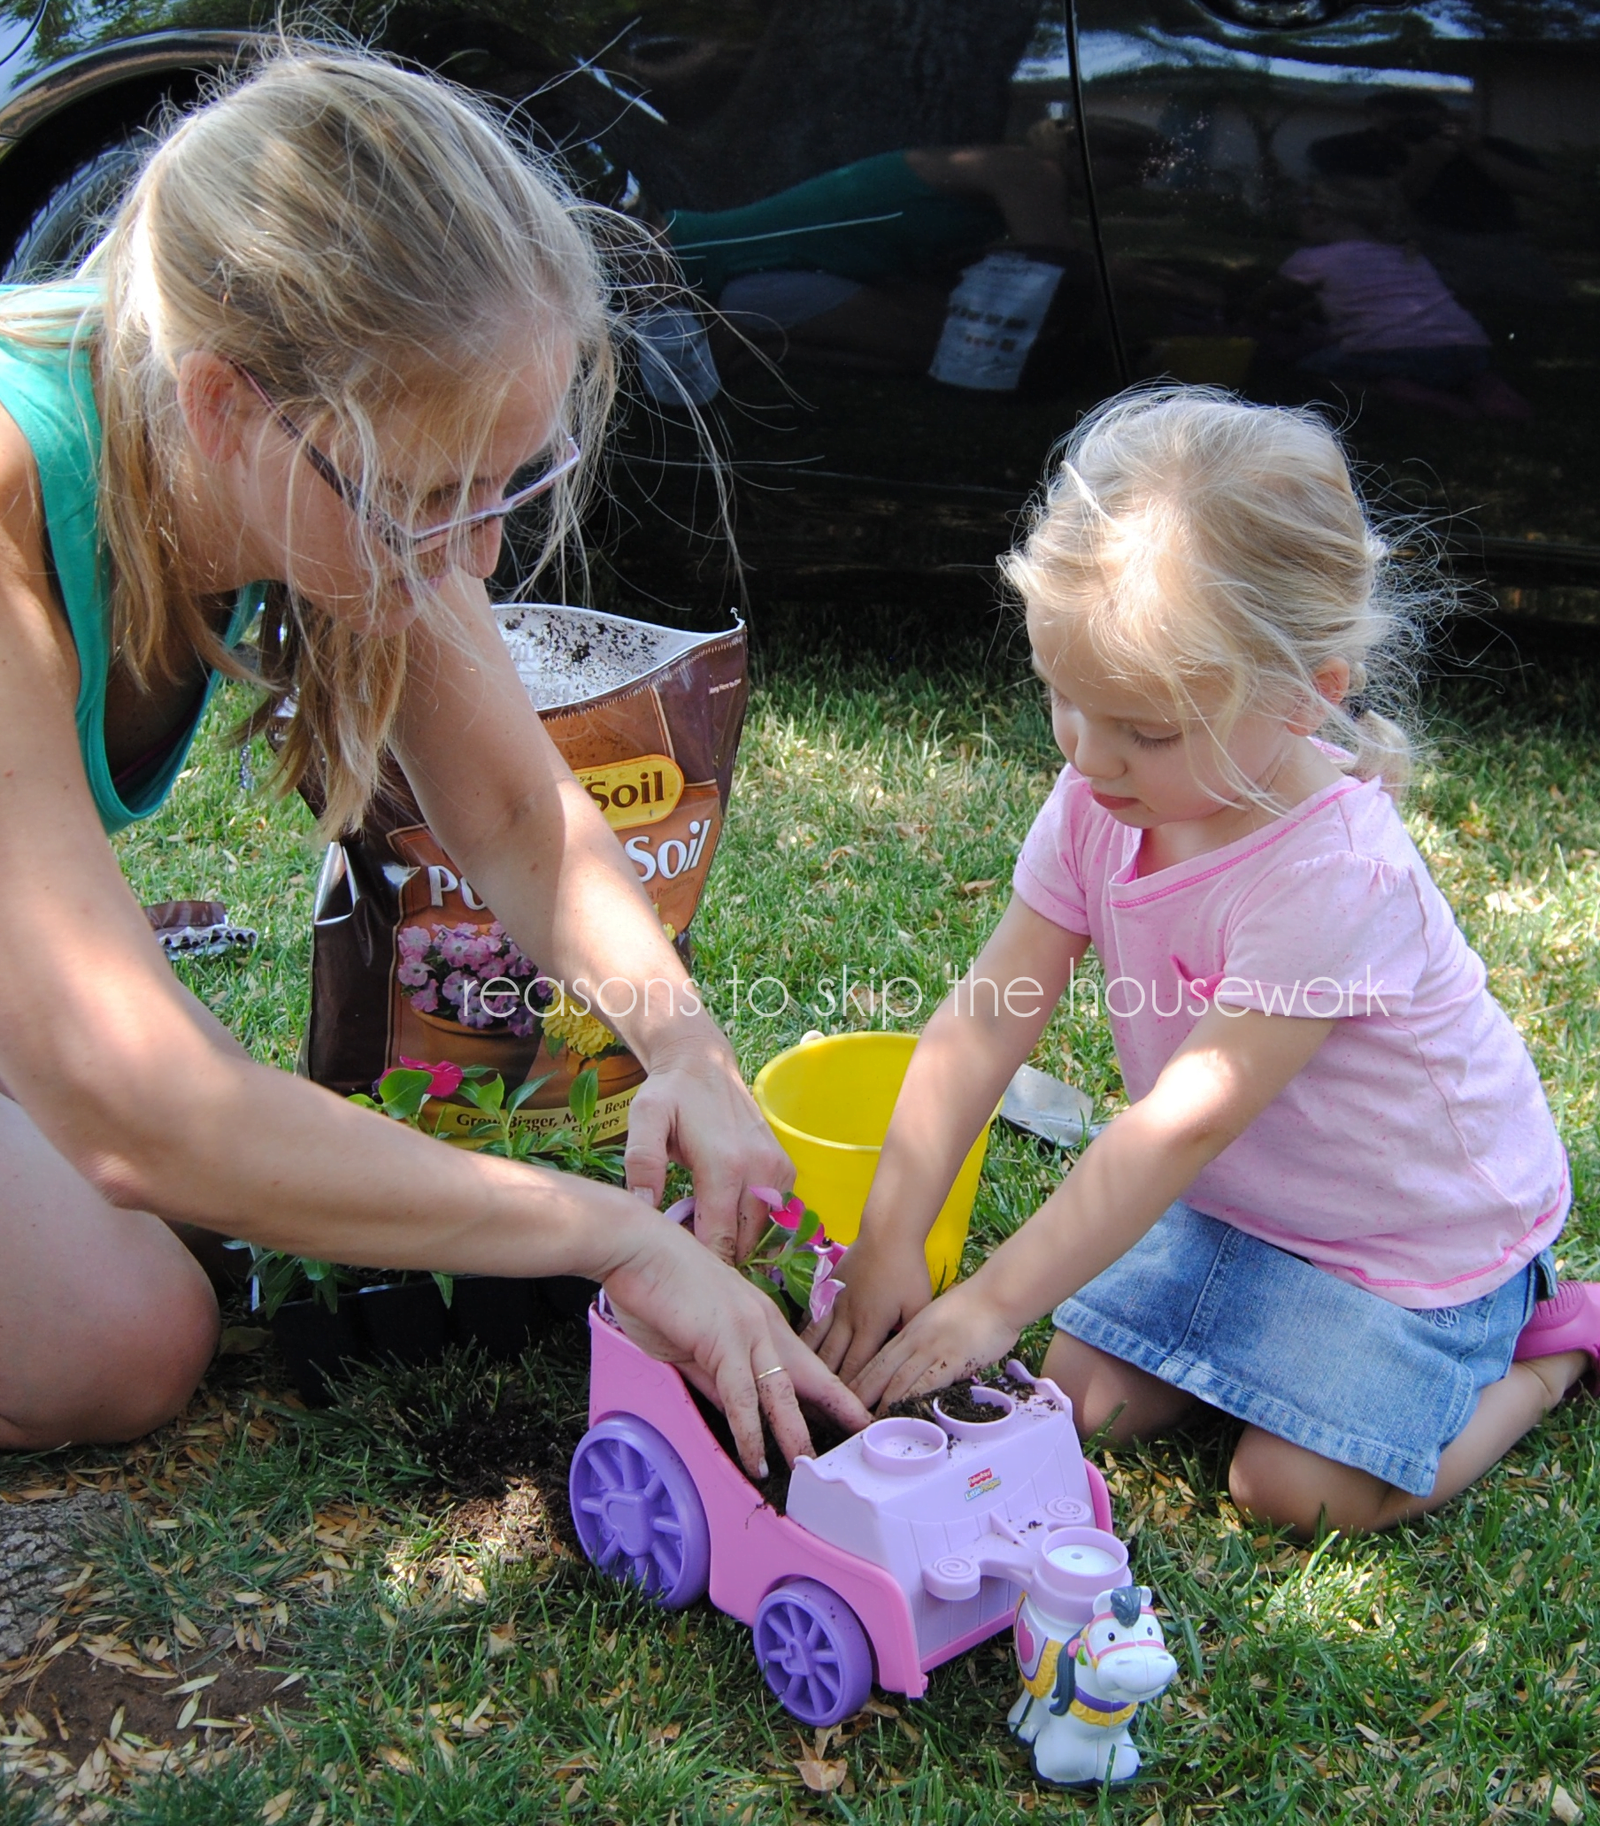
x: 981, y: 1483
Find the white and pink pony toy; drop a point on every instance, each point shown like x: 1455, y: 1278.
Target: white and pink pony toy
x: 1083, y: 1685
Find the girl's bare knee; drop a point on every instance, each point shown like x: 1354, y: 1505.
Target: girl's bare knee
x: 1108, y: 1393
x: 1268, y: 1487
x: 1282, y: 1485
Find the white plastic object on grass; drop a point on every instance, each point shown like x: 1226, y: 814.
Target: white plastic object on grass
x: 1046, y: 1107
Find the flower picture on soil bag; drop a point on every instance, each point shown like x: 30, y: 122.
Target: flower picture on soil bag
x: 444, y: 971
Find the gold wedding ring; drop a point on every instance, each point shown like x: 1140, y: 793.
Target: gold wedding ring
x: 776, y: 1370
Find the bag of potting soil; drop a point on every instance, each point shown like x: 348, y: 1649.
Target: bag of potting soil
x: 407, y: 960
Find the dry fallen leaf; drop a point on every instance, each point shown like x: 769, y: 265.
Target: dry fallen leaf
x: 278, y: 1806
x: 241, y: 1340
x: 1563, y: 1807
x: 1433, y: 1711
x: 396, y: 1758
x: 970, y: 888
x: 821, y: 1777
x: 197, y: 1685
x: 502, y: 1640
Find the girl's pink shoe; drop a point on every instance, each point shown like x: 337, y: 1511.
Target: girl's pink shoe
x: 1569, y: 1320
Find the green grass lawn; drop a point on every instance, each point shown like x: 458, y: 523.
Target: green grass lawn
x: 450, y: 1660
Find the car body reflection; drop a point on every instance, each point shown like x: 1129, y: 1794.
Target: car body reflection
x: 919, y: 239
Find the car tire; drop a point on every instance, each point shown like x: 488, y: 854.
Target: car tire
x: 69, y: 221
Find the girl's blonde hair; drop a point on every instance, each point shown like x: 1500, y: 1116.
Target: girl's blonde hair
x: 1218, y: 553
x: 354, y: 236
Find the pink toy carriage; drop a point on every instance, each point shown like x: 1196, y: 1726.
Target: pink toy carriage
x: 893, y: 1556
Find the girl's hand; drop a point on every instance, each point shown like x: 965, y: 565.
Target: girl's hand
x: 885, y: 1286
x: 956, y: 1335
x: 694, y: 1109
x: 729, y: 1340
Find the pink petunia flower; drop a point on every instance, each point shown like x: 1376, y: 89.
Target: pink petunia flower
x: 786, y: 1212
x: 823, y: 1295
x: 445, y: 1080
x: 426, y: 1000
x: 412, y: 972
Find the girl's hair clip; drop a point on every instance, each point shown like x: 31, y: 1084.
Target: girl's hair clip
x: 1085, y: 492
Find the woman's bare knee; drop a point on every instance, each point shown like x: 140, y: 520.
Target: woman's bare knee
x: 145, y: 1343
x: 106, y: 1320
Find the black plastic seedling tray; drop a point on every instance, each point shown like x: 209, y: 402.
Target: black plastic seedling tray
x: 408, y: 1322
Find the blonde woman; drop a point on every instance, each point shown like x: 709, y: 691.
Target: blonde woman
x: 341, y: 327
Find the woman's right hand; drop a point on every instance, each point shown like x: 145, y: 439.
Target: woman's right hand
x: 885, y: 1286
x: 681, y: 1304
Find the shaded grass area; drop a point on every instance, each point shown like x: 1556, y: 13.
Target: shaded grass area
x: 457, y: 1663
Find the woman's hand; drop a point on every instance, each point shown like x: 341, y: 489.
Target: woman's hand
x: 694, y: 1109
x: 729, y: 1340
x: 956, y: 1335
x: 885, y: 1286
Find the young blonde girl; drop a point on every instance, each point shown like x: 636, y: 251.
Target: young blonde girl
x: 343, y: 325
x: 1329, y: 1205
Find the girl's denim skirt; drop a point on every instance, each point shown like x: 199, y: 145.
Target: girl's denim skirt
x: 1292, y: 1349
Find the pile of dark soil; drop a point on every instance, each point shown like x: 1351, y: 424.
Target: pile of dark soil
x: 957, y: 1401
x: 507, y: 1459
x: 825, y: 1432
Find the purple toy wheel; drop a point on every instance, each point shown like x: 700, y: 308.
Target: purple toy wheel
x: 638, y: 1513
x: 813, y: 1652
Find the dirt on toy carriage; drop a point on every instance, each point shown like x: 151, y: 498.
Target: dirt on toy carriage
x: 957, y: 1402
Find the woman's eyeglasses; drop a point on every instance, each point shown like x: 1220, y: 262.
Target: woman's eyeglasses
x: 420, y: 539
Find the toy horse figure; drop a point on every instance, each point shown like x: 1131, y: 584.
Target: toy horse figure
x: 1080, y: 1691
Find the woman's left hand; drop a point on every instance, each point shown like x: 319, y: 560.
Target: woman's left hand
x: 694, y: 1110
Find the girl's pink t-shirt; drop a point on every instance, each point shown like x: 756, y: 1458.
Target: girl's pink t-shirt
x: 1415, y: 1155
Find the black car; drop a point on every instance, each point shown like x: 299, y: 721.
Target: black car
x: 933, y: 231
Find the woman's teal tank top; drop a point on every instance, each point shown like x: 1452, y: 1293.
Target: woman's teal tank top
x: 45, y: 387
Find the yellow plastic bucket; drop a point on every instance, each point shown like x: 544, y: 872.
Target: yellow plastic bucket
x: 829, y: 1101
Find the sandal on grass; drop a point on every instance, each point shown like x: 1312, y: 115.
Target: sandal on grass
x: 1568, y: 1320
